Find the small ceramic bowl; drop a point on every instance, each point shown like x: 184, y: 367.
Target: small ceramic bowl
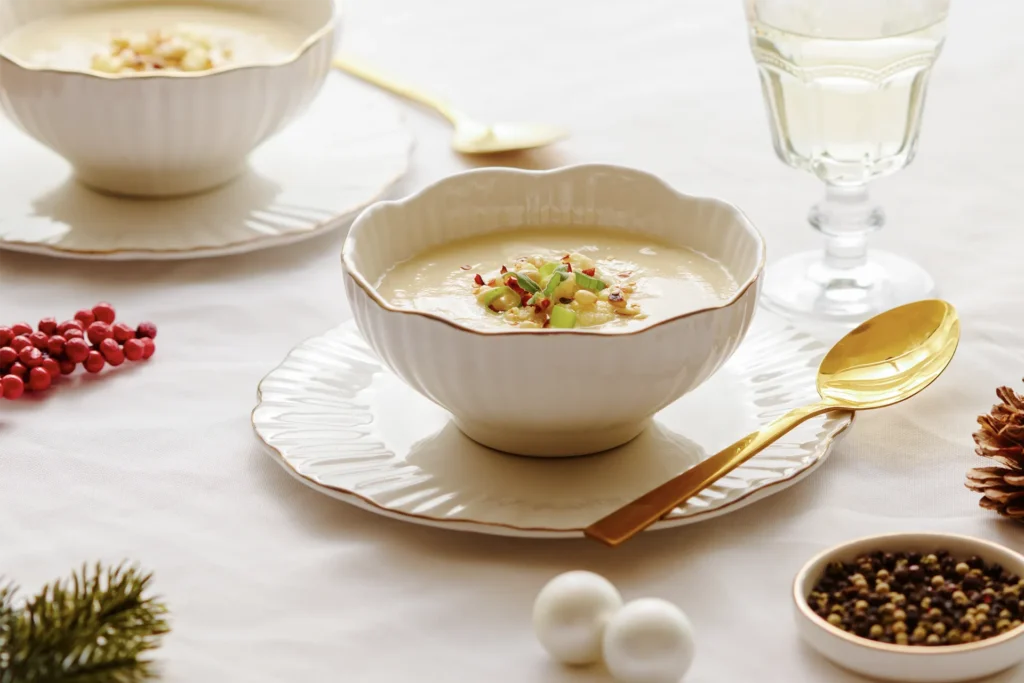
x: 908, y: 663
x: 164, y: 133
x: 463, y: 369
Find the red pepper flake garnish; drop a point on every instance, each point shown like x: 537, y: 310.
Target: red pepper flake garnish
x: 504, y: 270
x: 524, y: 296
x: 625, y: 274
x: 568, y: 267
x: 566, y: 258
x: 465, y: 267
x: 547, y: 323
x: 479, y: 280
x: 492, y: 283
x: 491, y: 306
x: 590, y: 272
x: 513, y: 283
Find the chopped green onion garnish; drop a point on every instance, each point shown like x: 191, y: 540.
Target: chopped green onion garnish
x: 487, y: 298
x: 591, y: 283
x: 547, y: 269
x: 562, y: 317
x: 556, y: 279
x: 525, y: 282
x: 534, y: 300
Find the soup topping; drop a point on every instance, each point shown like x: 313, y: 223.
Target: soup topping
x: 165, y: 49
x: 570, y: 292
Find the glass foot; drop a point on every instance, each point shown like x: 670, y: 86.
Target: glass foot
x: 803, y: 286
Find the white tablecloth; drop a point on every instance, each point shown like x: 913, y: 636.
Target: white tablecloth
x: 269, y: 581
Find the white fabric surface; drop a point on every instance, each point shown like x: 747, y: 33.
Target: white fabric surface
x: 269, y: 581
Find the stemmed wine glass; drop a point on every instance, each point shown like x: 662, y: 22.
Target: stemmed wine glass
x: 844, y: 82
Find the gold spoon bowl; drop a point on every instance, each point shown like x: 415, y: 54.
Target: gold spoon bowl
x: 887, y: 359
x: 471, y: 136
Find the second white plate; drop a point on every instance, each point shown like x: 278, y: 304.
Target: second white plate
x: 342, y: 423
x: 341, y: 155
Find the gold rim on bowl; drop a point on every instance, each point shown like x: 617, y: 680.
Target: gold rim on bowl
x: 357, y: 277
x: 332, y: 24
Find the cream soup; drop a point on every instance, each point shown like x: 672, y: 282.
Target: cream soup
x: 129, y: 39
x: 558, y: 278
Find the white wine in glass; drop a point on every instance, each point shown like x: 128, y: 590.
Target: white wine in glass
x: 844, y: 82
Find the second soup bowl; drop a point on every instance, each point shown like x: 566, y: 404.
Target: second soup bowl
x: 162, y: 133
x: 551, y: 392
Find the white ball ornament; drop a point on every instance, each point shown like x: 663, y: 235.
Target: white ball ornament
x: 570, y: 614
x: 648, y: 641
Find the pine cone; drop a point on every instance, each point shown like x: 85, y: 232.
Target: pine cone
x: 1001, y: 438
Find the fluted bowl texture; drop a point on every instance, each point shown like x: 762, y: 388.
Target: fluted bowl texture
x: 551, y: 392
x: 164, y: 133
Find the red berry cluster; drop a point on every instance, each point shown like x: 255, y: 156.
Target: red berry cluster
x: 32, y: 360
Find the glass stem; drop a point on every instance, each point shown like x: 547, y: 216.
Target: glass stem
x: 845, y: 217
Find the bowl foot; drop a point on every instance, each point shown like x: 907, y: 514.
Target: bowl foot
x: 157, y: 184
x: 550, y: 444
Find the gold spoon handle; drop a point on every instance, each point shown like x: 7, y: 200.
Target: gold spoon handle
x: 634, y: 517
x: 355, y: 68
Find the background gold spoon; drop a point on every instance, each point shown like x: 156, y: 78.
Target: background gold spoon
x: 886, y: 360
x: 471, y: 137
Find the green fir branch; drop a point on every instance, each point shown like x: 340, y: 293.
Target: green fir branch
x: 96, y: 627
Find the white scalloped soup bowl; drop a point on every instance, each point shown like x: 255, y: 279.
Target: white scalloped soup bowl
x: 164, y: 133
x: 551, y: 392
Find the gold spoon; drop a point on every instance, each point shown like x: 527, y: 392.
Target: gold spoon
x: 471, y: 137
x: 886, y: 360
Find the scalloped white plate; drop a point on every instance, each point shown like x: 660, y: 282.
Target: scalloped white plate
x: 343, y: 424
x: 340, y: 156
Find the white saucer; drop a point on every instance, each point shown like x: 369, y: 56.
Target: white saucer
x: 343, y: 424
x: 342, y: 155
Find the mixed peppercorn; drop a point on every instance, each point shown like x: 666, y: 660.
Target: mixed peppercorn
x: 925, y: 599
